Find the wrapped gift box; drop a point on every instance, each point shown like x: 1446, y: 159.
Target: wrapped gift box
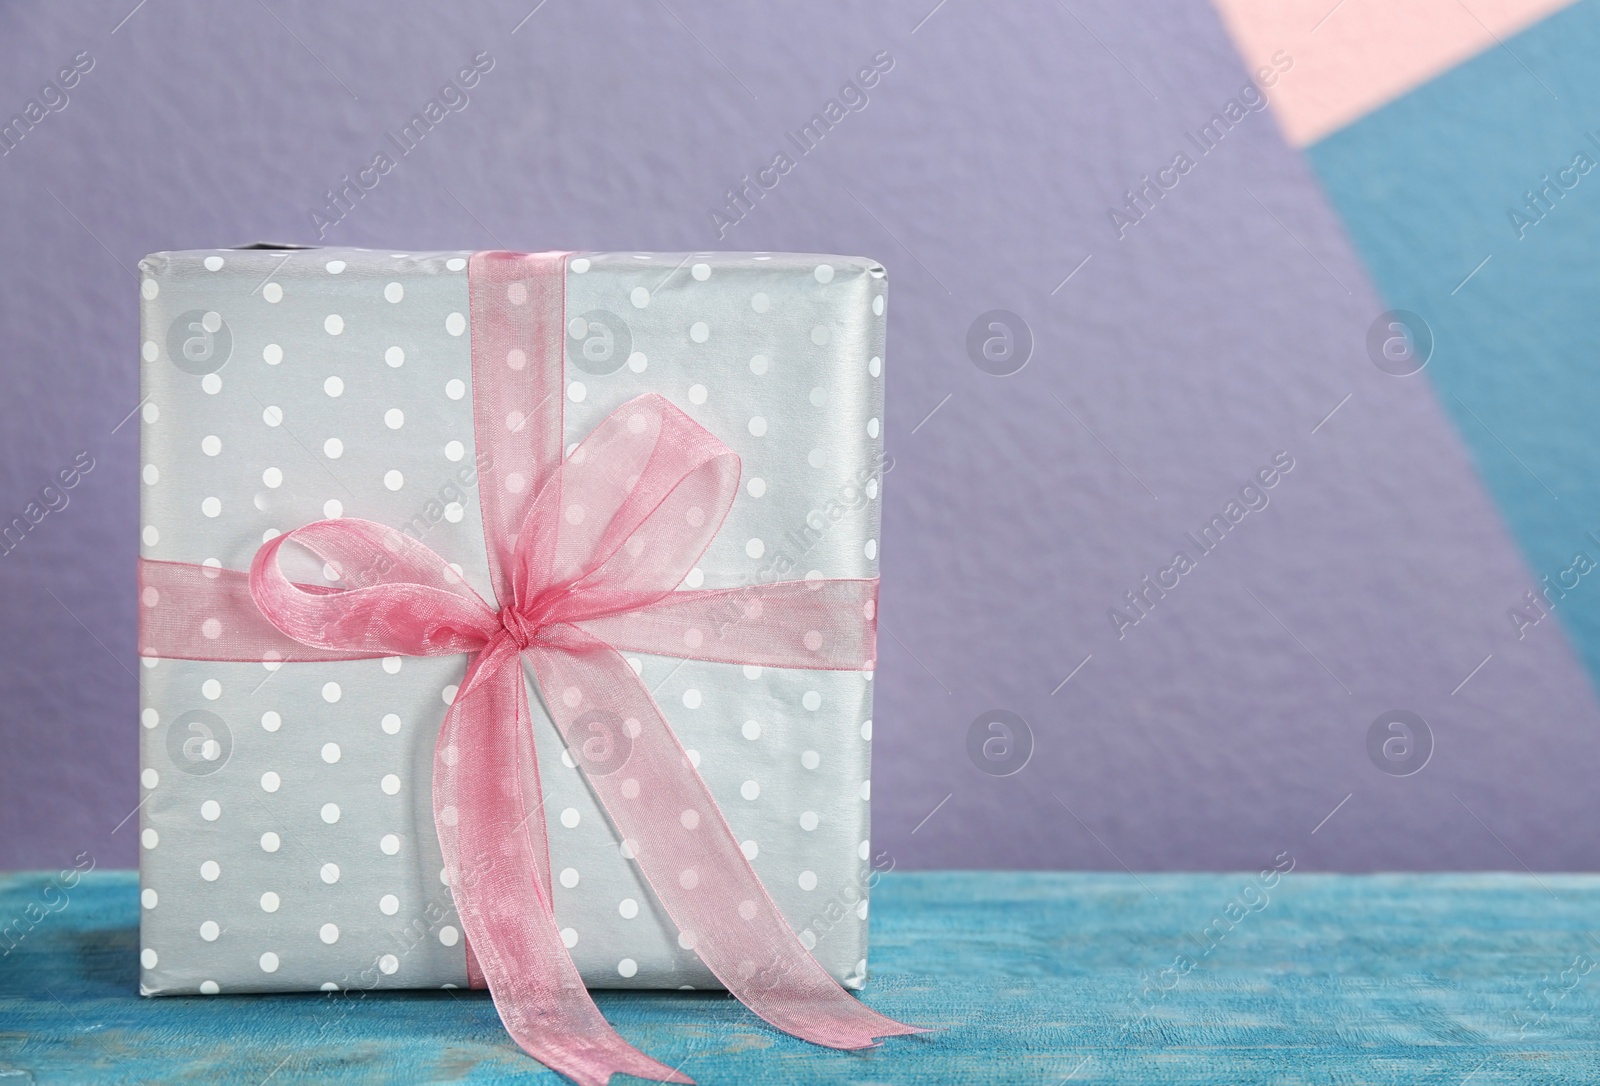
x: 288, y: 838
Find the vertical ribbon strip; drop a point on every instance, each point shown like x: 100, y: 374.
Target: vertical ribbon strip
x: 585, y: 556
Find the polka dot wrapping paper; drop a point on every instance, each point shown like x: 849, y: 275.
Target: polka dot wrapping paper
x: 287, y: 829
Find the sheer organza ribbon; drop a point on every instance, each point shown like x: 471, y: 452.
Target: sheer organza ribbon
x: 586, y: 554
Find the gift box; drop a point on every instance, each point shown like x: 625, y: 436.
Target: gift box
x: 322, y: 428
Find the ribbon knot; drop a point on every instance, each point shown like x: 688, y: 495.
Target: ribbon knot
x: 520, y: 628
x: 585, y: 565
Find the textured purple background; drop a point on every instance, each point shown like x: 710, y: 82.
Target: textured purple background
x: 1170, y: 367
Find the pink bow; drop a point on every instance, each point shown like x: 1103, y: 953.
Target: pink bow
x: 585, y: 555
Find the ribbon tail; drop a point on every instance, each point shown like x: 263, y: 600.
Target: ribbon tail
x: 488, y: 809
x: 674, y: 830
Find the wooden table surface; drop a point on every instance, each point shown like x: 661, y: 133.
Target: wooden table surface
x: 1027, y: 978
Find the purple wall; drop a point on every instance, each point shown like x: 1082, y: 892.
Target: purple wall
x: 1165, y: 372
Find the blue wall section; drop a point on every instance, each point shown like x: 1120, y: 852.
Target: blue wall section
x: 1427, y: 187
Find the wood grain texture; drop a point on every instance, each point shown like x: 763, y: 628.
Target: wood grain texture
x: 1028, y: 978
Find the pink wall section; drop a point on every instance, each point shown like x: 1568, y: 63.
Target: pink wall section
x: 1353, y: 56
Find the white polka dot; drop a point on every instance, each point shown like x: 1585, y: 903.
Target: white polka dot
x: 808, y: 820
x: 270, y: 781
x: 389, y: 965
x: 757, y: 486
x: 866, y: 790
x: 149, y: 838
x: 811, y: 700
x: 819, y: 396
x: 148, y: 289
x: 824, y: 273
x: 569, y: 817
x: 272, y: 478
x: 456, y: 263
x: 691, y: 699
x: 689, y: 879
x: 151, y: 474
x: 686, y: 940
x: 871, y: 549
x: 629, y: 908
x: 580, y: 264
x: 211, y: 384
x: 455, y: 389
x: 817, y: 458
x: 395, y: 356
x: 810, y: 759
x: 333, y: 448
x: 569, y: 937
x: 209, y: 987
x: 330, y: 873
x: 449, y: 815
x: 751, y: 850
x: 213, y: 263
x: 755, y: 548
x: 455, y: 324
x: 449, y: 935
x: 390, y: 784
x: 149, y: 718
x: 391, y: 723
x: 697, y: 576
x: 808, y: 880
x: 639, y: 297
x: 577, y: 391
x: 148, y: 958
x: 330, y: 811
x: 699, y: 332
x: 210, y: 810
x: 333, y: 509
x: 693, y: 756
x: 701, y: 272
x: 272, y: 415
x: 449, y: 693
x: 863, y: 849
x: 212, y: 689
x: 211, y: 871
x: 388, y: 904
x: 390, y: 844
x: 328, y: 933
x: 750, y: 790
x: 394, y: 418
x: 871, y: 488
x: 393, y: 480
x: 877, y: 307
x: 333, y: 324
x: 866, y: 731
x: 392, y: 665
x: 271, y: 842
x: 272, y: 354
x: 149, y: 352
x: 569, y: 877
x: 758, y: 426
x: 821, y: 334
x: 760, y: 302
x: 872, y: 427
x: 148, y: 898
x: 149, y: 778
x: 269, y: 962
x: 331, y: 693
x: 334, y: 386
x: 272, y: 292
x: 637, y: 361
x: 394, y: 292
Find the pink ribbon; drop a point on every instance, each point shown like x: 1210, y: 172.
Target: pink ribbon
x: 585, y: 556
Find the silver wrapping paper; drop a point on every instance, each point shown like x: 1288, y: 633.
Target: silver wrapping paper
x: 286, y: 829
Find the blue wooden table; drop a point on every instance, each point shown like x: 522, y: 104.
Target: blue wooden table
x: 1027, y: 978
